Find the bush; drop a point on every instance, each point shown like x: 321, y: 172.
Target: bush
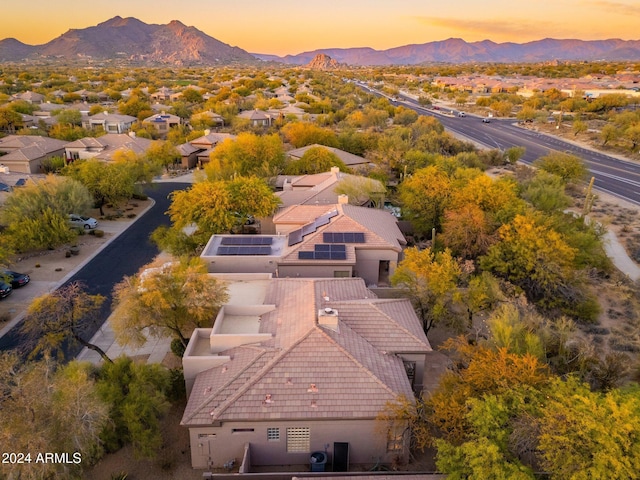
x: 177, y: 389
x: 98, y: 233
x: 177, y: 347
x: 139, y: 196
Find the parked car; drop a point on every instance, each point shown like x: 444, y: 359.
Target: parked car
x: 14, y: 278
x: 4, y: 187
x: 80, y: 221
x: 21, y: 182
x: 5, y: 289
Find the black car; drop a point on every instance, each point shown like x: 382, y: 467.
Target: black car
x: 5, y: 289
x: 21, y: 182
x: 16, y: 279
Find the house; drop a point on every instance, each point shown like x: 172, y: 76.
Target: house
x: 29, y: 96
x: 293, y: 366
x: 26, y: 153
x: 257, y: 118
x: 320, y: 188
x: 199, y: 150
x: 209, y: 118
x: 110, y: 122
x: 314, y: 241
x: 349, y: 159
x: 105, y: 147
x: 162, y: 122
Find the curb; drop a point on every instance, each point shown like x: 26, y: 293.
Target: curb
x: 20, y: 316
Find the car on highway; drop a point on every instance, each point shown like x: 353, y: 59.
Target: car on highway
x: 5, y: 289
x: 462, y: 114
x: 14, y: 278
x: 82, y: 221
x: 486, y: 120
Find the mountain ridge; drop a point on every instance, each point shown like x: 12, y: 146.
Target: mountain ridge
x: 176, y: 43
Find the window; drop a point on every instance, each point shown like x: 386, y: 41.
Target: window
x: 273, y: 433
x: 341, y: 274
x: 241, y: 430
x: 298, y: 440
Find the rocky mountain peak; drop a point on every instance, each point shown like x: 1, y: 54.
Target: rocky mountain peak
x: 322, y: 62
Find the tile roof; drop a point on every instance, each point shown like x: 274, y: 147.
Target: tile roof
x: 307, y: 370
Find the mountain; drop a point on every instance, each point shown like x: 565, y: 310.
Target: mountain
x: 322, y: 62
x: 456, y: 50
x: 129, y: 38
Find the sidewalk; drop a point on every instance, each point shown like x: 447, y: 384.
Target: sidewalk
x: 52, y: 269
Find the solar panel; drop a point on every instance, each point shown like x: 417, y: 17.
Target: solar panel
x: 246, y: 240
x: 306, y: 255
x: 338, y: 255
x: 322, y: 255
x: 322, y: 247
x: 308, y: 228
x: 244, y: 250
x: 324, y: 219
x: 295, y: 237
x: 343, y: 237
x: 330, y: 247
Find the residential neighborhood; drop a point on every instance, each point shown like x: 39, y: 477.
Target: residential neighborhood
x: 348, y: 270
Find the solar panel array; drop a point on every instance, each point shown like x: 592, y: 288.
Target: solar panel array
x: 325, y: 252
x: 343, y: 237
x: 295, y: 236
x: 248, y: 250
x: 246, y: 240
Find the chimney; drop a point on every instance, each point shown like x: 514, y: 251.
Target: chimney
x: 328, y: 318
x: 335, y: 170
x: 343, y: 199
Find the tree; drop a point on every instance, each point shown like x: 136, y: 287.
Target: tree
x: 167, y: 301
x: 633, y: 135
x: 247, y: 155
x: 430, y: 279
x: 44, y: 409
x: 251, y: 197
x: 315, y: 160
x: 65, y: 316
x: 69, y: 116
x: 361, y: 189
x: 137, y: 395
x: 36, y: 215
x: 609, y: 133
x: 301, y: 134
x: 546, y: 192
x: 590, y: 435
x: 466, y: 231
x: 424, y: 197
x: 579, y: 127
x: 535, y: 258
x: 568, y: 167
x: 163, y: 154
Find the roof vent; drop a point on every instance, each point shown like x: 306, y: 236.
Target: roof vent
x: 343, y: 199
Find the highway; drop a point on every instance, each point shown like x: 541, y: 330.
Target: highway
x: 612, y: 175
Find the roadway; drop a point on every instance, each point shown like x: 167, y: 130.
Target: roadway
x: 612, y: 175
x: 124, y: 256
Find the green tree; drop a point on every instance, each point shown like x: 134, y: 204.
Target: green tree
x: 546, y: 192
x: 570, y: 168
x: 361, y: 189
x: 424, y: 197
x: 36, y: 215
x: 247, y: 155
x: 633, y: 135
x: 315, y: 160
x: 251, y: 197
x: 168, y: 301
x: 163, y: 154
x: 301, y: 134
x: 62, y: 317
x: 137, y: 395
x: 69, y: 116
x: 609, y: 133
x: 45, y: 409
x: 430, y: 280
x: 579, y: 127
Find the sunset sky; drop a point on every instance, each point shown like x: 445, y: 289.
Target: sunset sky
x: 292, y: 26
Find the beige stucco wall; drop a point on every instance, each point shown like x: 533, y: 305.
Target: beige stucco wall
x: 368, y: 263
x: 312, y: 271
x: 241, y: 264
x: 213, y: 446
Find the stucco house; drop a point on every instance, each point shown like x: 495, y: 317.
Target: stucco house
x: 110, y: 122
x: 162, y: 122
x: 315, y: 241
x: 25, y: 153
x: 295, y: 366
x: 105, y: 147
x: 257, y: 118
x: 198, y: 151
